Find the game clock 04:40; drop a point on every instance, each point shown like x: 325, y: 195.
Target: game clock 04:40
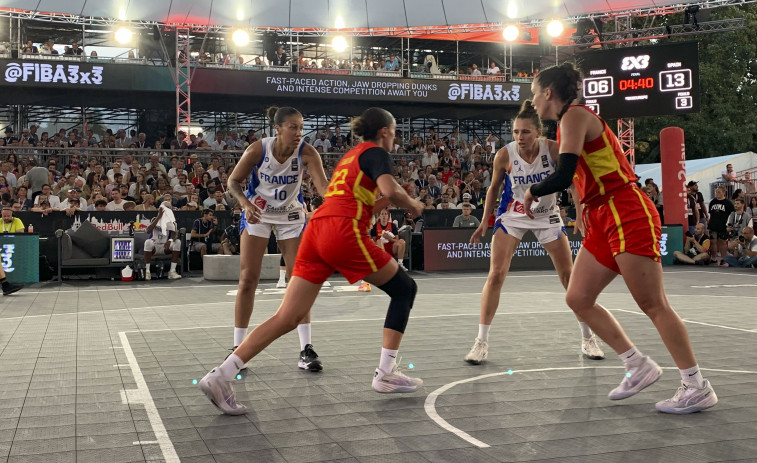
x: 635, y: 84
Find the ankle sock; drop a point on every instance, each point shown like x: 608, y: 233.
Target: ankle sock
x: 303, y: 329
x: 483, y: 332
x: 692, y: 377
x: 239, y: 335
x: 631, y: 357
x: 585, y: 330
x: 231, y: 366
x: 388, y: 360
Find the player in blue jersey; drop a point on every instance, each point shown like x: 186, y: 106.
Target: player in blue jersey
x: 525, y: 161
x: 273, y: 201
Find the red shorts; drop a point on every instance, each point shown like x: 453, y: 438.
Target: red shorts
x: 337, y: 243
x: 626, y: 222
x: 389, y: 247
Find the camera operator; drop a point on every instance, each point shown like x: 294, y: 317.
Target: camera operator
x: 230, y: 238
x: 696, y: 249
x: 744, y: 250
x: 738, y: 219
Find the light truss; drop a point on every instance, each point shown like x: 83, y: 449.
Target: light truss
x: 660, y: 32
x: 383, y: 31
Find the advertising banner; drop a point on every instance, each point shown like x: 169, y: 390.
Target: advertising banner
x: 19, y: 254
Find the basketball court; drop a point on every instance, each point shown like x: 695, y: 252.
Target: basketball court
x: 102, y: 371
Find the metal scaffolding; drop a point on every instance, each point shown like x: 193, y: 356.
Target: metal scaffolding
x: 183, y: 80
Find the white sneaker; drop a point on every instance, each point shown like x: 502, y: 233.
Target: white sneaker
x: 221, y: 393
x: 326, y: 284
x: 689, y: 399
x: 148, y: 277
x: 402, y: 266
x: 281, y: 284
x: 478, y: 352
x: 173, y: 275
x: 395, y: 381
x: 590, y: 348
x: 637, y: 378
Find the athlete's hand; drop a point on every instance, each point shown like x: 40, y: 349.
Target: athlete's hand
x: 479, y: 233
x: 528, y: 200
x: 252, y: 213
x: 417, y: 208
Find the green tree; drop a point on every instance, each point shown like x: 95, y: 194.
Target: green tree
x: 727, y: 121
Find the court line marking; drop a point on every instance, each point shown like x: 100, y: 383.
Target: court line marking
x: 694, y: 322
x: 430, y: 404
x: 142, y: 396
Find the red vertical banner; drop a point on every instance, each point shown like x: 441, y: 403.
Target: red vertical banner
x: 673, y: 164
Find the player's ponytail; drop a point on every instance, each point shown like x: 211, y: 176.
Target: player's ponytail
x: 527, y: 111
x: 277, y: 116
x: 368, y: 124
x: 565, y: 82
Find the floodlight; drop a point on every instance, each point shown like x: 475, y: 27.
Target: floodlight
x: 510, y: 33
x: 339, y: 43
x: 339, y: 23
x: 240, y: 37
x: 554, y: 28
x: 123, y: 35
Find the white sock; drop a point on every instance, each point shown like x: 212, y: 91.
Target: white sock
x: 282, y: 275
x: 303, y: 329
x: 231, y: 366
x: 388, y: 360
x: 585, y: 330
x: 173, y: 266
x: 632, y: 356
x: 239, y: 335
x: 692, y: 377
x: 483, y: 332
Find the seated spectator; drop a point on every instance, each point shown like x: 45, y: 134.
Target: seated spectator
x: 696, y: 249
x: 52, y: 200
x: 744, y: 250
x: 202, y: 231
x: 466, y: 199
x: 738, y: 219
x: 393, y: 64
x: 163, y: 239
x: 493, y: 69
x: 148, y: 203
x: 214, y: 201
x: 384, y: 234
x: 474, y: 70
x: 117, y: 204
x: 29, y: 48
x: 9, y: 223
x: 466, y: 219
x: 323, y: 143
x: 230, y: 238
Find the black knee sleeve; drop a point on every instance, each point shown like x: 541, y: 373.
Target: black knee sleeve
x: 281, y: 261
x: 401, y: 288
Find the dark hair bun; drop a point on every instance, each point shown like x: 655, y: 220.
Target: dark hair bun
x: 271, y: 113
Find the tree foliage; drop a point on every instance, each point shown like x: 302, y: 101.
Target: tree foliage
x: 727, y: 121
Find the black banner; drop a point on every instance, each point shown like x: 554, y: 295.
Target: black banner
x: 449, y: 249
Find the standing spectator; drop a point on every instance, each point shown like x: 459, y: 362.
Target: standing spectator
x: 323, y: 143
x: 703, y: 215
x: 30, y: 48
x: 744, y: 250
x: 393, y: 64
x: 728, y: 176
x: 752, y: 206
x: 74, y: 49
x: 279, y: 58
x: 474, y: 70
x: 493, y: 69
x: 465, y: 219
x: 692, y: 208
x: 720, y: 210
x: 749, y: 183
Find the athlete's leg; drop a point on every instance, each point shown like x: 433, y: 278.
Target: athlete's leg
x: 289, y: 254
x: 251, y: 251
x: 562, y: 258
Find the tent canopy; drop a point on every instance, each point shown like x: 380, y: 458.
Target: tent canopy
x: 354, y: 14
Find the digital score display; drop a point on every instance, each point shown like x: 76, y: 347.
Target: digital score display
x: 654, y: 80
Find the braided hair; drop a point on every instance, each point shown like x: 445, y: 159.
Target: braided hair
x: 564, y: 80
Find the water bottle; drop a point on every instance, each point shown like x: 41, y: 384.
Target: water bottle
x: 31, y: 228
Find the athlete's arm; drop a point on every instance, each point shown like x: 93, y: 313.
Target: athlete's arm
x: 314, y: 164
x: 376, y: 164
x: 501, y: 164
x: 250, y: 158
x: 155, y: 221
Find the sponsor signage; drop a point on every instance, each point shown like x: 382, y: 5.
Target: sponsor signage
x: 19, y: 254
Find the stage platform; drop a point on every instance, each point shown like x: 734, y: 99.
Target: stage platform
x: 104, y: 372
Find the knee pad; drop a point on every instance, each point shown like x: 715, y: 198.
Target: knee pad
x: 402, y: 289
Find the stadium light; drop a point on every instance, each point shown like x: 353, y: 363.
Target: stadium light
x: 339, y: 43
x: 123, y: 35
x: 510, y: 33
x: 240, y: 37
x: 339, y: 23
x: 555, y: 28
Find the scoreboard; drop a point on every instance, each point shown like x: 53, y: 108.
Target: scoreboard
x: 653, y: 80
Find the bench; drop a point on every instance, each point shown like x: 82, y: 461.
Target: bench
x: 218, y: 267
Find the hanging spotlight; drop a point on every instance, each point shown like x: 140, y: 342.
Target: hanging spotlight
x: 240, y: 37
x: 555, y: 28
x: 339, y: 43
x: 123, y: 35
x: 510, y: 33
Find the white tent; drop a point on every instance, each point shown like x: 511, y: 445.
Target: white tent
x: 706, y: 170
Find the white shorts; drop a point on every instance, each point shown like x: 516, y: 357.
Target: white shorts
x: 160, y: 249
x: 284, y: 231
x: 544, y: 231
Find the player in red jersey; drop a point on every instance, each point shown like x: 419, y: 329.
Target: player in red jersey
x: 622, y: 234
x: 344, y: 220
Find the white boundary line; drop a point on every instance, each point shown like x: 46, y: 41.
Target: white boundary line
x: 430, y: 404
x: 692, y: 322
x: 142, y: 395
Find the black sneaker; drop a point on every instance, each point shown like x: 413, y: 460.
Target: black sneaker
x: 10, y: 289
x: 309, y: 359
x: 231, y: 351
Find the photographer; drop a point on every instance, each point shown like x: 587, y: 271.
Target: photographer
x: 696, y: 249
x: 744, y: 250
x: 230, y: 238
x: 738, y: 219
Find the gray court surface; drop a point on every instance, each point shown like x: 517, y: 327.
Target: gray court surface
x: 104, y: 371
